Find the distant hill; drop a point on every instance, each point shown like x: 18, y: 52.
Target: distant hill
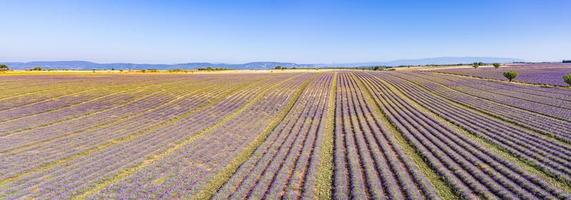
x: 435, y: 61
x: 85, y: 65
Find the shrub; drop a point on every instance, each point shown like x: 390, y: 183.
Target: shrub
x: 212, y: 69
x: 4, y: 67
x: 497, y: 65
x: 567, y: 79
x: 38, y: 68
x: 510, y: 75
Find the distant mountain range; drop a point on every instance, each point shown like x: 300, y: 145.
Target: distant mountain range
x: 437, y: 61
x: 85, y: 65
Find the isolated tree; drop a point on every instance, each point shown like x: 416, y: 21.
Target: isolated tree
x: 567, y: 79
x: 497, y: 65
x: 278, y: 67
x: 476, y: 65
x: 4, y: 67
x: 510, y: 75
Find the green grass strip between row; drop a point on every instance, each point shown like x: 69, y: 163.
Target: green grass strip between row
x: 325, y: 171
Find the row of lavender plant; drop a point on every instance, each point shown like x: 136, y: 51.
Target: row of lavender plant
x: 538, y: 73
x: 49, y: 91
x: 368, y: 161
x: 550, y: 92
x: 78, y: 110
x: 292, y: 143
x: 98, y: 107
x: 61, y: 101
x: 72, y: 141
x: 544, y: 124
x: 125, y: 150
x: 462, y: 83
x: 551, y: 156
x: 32, y: 86
x: 185, y: 169
x: 472, y: 169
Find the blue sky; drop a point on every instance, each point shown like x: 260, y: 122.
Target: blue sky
x: 302, y: 31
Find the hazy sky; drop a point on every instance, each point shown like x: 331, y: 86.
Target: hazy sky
x: 303, y: 31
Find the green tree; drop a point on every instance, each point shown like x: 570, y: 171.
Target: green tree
x: 278, y: 67
x: 510, y: 75
x: 476, y: 65
x: 4, y: 67
x: 497, y: 65
x: 567, y: 79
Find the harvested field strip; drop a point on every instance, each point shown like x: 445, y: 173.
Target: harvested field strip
x: 470, y: 168
x: 543, y: 124
x: 547, y: 155
x: 149, y: 160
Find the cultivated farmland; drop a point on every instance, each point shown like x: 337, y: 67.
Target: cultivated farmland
x: 320, y: 134
x: 544, y: 73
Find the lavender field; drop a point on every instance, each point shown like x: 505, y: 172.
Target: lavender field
x: 543, y: 73
x: 319, y: 134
